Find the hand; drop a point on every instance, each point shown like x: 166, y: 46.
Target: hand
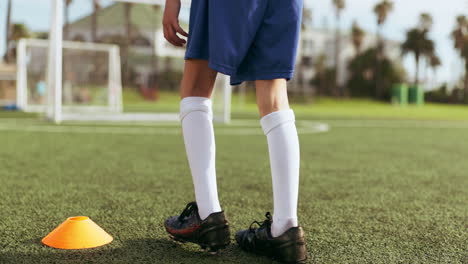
x: 171, y: 23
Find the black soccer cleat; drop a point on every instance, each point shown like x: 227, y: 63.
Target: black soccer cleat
x: 290, y: 247
x: 212, y: 233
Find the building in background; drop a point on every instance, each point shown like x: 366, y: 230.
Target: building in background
x: 7, y: 84
x: 316, y: 43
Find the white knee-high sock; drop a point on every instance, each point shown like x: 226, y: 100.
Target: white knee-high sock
x: 283, y: 146
x: 196, y: 116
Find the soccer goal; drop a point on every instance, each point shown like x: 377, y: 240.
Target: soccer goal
x: 91, y: 81
x: 82, y: 80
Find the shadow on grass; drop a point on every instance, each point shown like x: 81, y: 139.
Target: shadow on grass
x: 146, y: 250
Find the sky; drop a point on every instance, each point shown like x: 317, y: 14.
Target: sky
x: 35, y: 13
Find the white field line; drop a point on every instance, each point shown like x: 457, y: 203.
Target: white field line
x: 304, y: 127
x: 398, y: 124
x: 244, y: 123
x: 87, y: 130
x: 237, y: 127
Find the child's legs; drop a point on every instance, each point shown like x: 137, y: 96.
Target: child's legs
x: 278, y: 123
x: 198, y: 79
x: 197, y: 125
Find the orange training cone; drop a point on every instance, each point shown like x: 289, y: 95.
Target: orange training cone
x: 76, y: 233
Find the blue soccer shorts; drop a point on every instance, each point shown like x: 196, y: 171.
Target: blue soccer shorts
x: 246, y: 39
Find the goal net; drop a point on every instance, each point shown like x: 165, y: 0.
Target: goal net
x: 107, y: 62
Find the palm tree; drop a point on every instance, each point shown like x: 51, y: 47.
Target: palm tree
x: 381, y: 10
x: 425, y: 24
x: 460, y: 38
x: 418, y: 43
x: 7, y: 32
x: 66, y: 18
x: 339, y: 6
x: 434, y: 64
x: 17, y: 32
x: 357, y: 35
x: 94, y: 19
x: 426, y: 21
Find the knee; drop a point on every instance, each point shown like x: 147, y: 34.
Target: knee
x: 267, y: 107
x: 271, y: 96
x: 198, y: 79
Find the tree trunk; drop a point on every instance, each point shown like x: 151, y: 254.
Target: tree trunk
x: 378, y: 61
x: 337, y: 87
x: 466, y: 80
x: 426, y: 72
x: 416, y: 79
x: 8, y: 30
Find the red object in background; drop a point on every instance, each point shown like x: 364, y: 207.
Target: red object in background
x: 149, y: 88
x: 149, y: 93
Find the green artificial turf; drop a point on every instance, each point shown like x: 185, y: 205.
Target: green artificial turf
x: 369, y: 194
x: 391, y: 190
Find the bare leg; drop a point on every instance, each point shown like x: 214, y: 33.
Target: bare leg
x: 272, y: 96
x: 278, y: 124
x: 198, y: 79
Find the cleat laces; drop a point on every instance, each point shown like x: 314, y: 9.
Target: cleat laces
x: 266, y: 223
x: 189, y: 209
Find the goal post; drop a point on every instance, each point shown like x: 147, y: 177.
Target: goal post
x: 55, y: 80
x: 54, y: 66
x: 222, y: 99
